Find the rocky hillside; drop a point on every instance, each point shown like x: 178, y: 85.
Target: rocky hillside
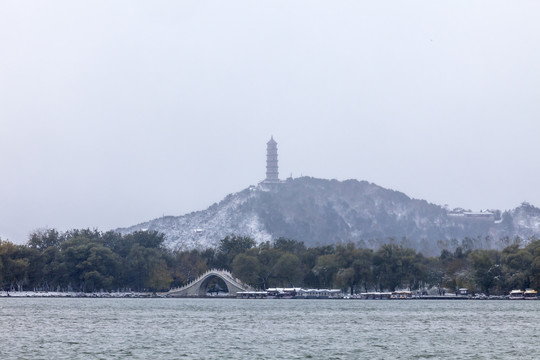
x: 321, y: 212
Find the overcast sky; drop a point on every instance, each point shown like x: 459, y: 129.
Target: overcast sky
x: 117, y: 112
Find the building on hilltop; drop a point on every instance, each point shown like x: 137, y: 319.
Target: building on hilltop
x: 272, y: 172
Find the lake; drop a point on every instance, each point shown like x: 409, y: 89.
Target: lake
x: 56, y: 328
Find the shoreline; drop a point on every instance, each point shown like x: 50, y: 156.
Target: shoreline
x: 74, y: 294
x: 163, y: 295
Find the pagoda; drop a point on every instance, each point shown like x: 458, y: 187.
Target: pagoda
x: 272, y: 173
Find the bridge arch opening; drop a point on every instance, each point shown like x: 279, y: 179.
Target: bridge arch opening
x: 213, y: 284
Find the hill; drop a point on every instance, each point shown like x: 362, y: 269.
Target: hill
x: 320, y: 212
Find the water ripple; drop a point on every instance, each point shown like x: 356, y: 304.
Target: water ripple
x: 267, y: 329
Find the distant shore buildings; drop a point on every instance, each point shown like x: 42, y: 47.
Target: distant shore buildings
x: 472, y: 215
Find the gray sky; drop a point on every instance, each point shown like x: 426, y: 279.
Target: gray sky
x: 117, y: 112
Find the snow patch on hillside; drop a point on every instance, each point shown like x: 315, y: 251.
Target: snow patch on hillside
x: 204, y: 229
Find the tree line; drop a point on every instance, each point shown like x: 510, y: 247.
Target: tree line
x: 89, y: 260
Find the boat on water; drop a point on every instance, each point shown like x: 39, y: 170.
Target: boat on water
x: 530, y: 294
x: 401, y: 294
x: 282, y: 293
x: 319, y: 294
x: 516, y: 295
x: 376, y: 295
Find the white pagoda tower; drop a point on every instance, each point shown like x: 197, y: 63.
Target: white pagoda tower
x: 272, y: 173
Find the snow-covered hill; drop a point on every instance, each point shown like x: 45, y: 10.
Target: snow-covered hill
x: 321, y: 212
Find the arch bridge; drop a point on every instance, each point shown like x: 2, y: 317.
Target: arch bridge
x: 199, y: 287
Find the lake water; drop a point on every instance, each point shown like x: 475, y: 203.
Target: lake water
x: 267, y: 329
